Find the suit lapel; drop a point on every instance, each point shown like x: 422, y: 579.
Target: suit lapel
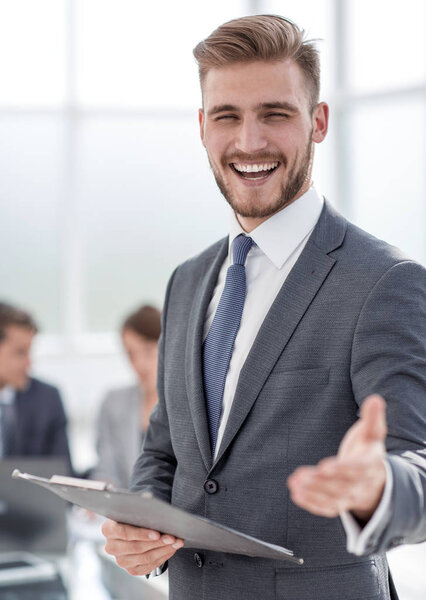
x: 291, y: 303
x: 194, y: 342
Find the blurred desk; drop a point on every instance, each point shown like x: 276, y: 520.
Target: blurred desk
x: 89, y: 572
x: 123, y: 586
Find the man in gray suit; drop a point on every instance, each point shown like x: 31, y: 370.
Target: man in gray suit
x: 282, y: 346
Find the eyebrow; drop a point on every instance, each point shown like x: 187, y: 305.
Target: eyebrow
x: 287, y: 106
x: 222, y: 108
x: 281, y: 105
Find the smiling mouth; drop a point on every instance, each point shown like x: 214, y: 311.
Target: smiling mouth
x: 255, y: 171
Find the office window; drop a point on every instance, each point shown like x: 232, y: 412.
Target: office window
x: 32, y: 53
x: 139, y: 54
x: 32, y: 213
x: 386, y: 44
x: 388, y: 152
x: 100, y: 156
x: 144, y: 189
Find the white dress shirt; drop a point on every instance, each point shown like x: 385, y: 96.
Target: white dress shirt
x: 7, y: 396
x: 279, y: 241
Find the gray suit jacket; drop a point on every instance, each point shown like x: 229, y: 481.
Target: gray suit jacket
x: 119, y: 436
x: 349, y: 320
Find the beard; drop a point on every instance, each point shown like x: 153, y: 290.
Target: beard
x: 256, y: 208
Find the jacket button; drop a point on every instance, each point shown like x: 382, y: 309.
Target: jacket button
x: 211, y: 486
x: 198, y: 559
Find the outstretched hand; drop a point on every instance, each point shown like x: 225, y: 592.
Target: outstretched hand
x: 353, y: 480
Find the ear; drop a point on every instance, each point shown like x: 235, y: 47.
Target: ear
x: 320, y: 122
x: 201, y: 122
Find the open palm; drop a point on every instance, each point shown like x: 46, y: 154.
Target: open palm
x: 354, y: 479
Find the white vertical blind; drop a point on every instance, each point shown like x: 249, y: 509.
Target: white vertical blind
x: 387, y: 44
x: 32, y: 53
x: 139, y: 54
x: 388, y: 150
x: 31, y: 192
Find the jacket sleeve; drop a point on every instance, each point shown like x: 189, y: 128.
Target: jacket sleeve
x: 155, y: 467
x: 389, y: 358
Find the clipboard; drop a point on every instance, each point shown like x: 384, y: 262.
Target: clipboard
x: 145, y: 510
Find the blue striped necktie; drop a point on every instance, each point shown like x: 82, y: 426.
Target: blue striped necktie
x: 220, y: 340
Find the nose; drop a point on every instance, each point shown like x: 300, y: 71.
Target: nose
x: 251, y: 136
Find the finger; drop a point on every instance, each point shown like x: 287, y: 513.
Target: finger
x: 318, y: 504
x: 108, y: 527
x: 121, y: 531
x: 346, y: 470
x: 147, y: 561
x: 123, y: 547
x: 331, y: 473
x: 300, y: 475
x: 373, y: 415
x: 330, y: 488
x: 335, y: 473
x: 169, y: 539
x: 335, y: 485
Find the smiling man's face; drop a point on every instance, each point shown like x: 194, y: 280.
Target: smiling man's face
x: 258, y: 130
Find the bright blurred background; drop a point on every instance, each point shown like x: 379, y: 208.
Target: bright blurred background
x: 105, y: 187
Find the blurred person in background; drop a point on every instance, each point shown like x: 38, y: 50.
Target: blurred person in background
x: 32, y: 416
x: 124, y: 414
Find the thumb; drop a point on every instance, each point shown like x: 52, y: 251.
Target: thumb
x: 373, y: 417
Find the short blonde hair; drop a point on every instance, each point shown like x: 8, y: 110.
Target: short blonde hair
x: 260, y: 37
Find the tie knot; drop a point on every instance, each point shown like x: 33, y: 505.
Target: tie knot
x: 241, y: 248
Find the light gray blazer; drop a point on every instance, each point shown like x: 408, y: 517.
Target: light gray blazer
x: 349, y: 320
x: 119, y: 436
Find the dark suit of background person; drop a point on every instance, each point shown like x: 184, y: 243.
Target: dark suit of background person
x: 40, y: 421
x: 32, y: 416
x: 349, y: 320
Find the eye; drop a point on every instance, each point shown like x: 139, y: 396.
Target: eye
x: 225, y: 117
x: 277, y: 115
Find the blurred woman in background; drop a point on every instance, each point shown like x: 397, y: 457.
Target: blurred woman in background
x: 124, y: 413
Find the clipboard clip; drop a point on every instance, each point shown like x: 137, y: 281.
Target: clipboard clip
x: 86, y: 484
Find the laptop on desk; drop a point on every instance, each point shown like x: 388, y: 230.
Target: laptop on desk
x: 31, y: 518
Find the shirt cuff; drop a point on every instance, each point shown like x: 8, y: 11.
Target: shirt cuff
x: 157, y: 571
x: 357, y: 537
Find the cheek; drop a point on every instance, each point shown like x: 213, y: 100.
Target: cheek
x: 217, y: 144
x: 15, y: 364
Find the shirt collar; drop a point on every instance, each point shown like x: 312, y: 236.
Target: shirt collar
x: 282, y: 233
x: 7, y: 395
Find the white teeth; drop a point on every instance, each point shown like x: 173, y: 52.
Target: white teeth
x: 242, y: 168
